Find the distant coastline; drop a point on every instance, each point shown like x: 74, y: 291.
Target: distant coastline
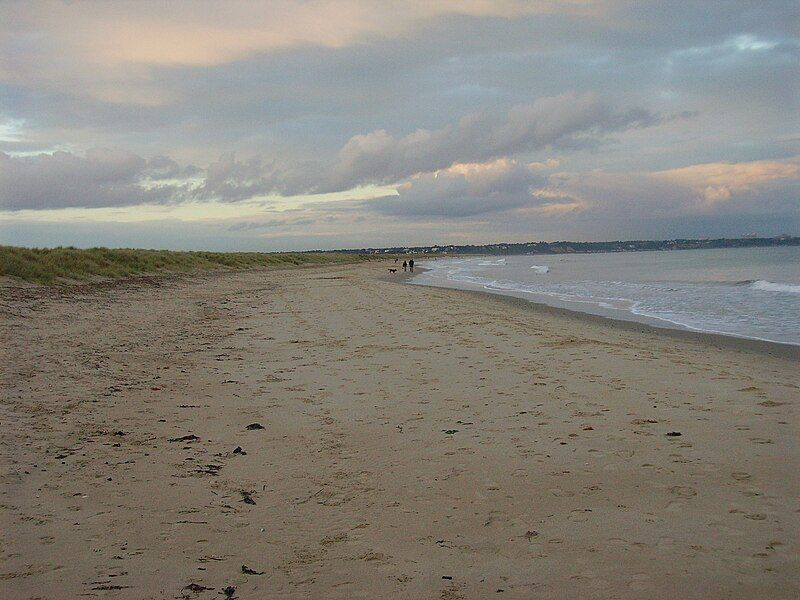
x: 566, y: 247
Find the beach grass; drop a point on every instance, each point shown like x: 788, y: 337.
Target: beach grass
x: 63, y: 264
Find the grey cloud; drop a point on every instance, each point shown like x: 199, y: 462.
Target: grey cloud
x: 721, y: 189
x: 568, y: 119
x: 305, y: 103
x: 379, y: 157
x: 230, y: 179
x: 724, y: 191
x: 236, y: 180
x: 163, y: 167
x: 731, y: 66
x: 448, y: 194
x: 104, y: 177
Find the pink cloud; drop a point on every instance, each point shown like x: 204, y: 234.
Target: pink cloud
x: 713, y: 183
x: 706, y: 188
x: 108, y: 48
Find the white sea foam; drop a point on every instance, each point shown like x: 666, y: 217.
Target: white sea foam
x: 750, y: 293
x: 769, y: 286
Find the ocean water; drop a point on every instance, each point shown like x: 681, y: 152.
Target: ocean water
x: 744, y: 292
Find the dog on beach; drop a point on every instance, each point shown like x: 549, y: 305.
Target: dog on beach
x: 392, y: 270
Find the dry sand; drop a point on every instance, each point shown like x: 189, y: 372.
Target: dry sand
x: 417, y: 443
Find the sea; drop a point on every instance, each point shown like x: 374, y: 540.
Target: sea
x: 744, y: 292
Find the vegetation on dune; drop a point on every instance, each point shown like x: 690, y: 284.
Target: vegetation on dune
x: 51, y: 265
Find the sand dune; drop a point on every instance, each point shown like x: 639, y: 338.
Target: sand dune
x: 416, y: 443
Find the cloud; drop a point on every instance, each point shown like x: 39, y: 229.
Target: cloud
x: 231, y: 180
x: 719, y: 188
x: 380, y: 158
x: 111, y: 49
x: 161, y: 168
x: 305, y: 99
x: 463, y: 190
x: 448, y: 102
x: 501, y: 199
x: 566, y: 120
x: 715, y: 183
x: 533, y: 191
x: 103, y: 177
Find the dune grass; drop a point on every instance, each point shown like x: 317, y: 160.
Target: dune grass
x: 55, y: 265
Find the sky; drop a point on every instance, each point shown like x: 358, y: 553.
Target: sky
x: 345, y: 124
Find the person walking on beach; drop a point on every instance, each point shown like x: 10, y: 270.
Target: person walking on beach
x: 405, y: 264
x: 411, y: 265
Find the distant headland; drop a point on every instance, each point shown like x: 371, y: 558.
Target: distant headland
x: 585, y: 247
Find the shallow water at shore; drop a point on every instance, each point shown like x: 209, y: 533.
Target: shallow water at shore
x: 749, y: 292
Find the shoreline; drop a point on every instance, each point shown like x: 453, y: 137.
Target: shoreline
x: 716, y: 340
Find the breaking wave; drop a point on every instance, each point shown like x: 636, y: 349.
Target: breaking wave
x: 492, y: 263
x: 769, y: 286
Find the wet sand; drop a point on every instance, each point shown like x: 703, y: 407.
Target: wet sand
x: 417, y: 443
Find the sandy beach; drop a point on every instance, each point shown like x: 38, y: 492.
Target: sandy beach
x: 336, y: 433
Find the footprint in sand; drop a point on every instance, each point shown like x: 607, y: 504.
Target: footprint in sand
x: 675, y: 506
x: 639, y: 582
x: 683, y: 491
x: 329, y: 540
x: 617, y: 541
x: 579, y: 515
x: 624, y: 453
x: 591, y: 580
x: 741, y: 475
x: 374, y: 556
x: 756, y: 517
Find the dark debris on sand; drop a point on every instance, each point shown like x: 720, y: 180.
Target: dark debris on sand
x: 248, y: 571
x: 185, y: 438
x: 196, y: 588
